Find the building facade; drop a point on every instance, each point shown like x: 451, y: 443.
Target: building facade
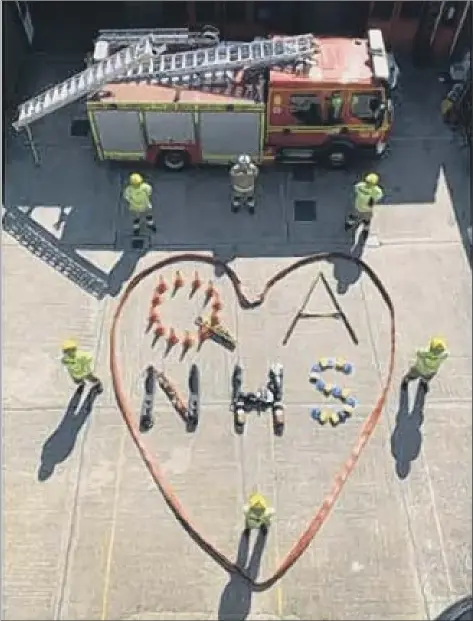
x: 18, y: 37
x: 434, y: 30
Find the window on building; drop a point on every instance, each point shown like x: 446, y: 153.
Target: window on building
x: 306, y: 109
x: 366, y: 106
x: 235, y: 11
x: 411, y: 10
x: 383, y: 10
x: 205, y: 11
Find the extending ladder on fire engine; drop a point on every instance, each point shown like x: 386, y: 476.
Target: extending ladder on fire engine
x: 185, y: 66
x: 90, y: 80
x: 208, y: 35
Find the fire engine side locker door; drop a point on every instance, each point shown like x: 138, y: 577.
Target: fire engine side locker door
x: 225, y: 135
x: 170, y: 127
x: 120, y: 133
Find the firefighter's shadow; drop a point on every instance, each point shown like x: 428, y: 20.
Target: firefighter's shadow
x: 61, y: 442
x: 406, y: 439
x: 123, y: 269
x: 235, y: 602
x: 345, y: 272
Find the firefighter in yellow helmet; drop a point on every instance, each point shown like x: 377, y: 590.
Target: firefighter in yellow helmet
x: 138, y: 196
x: 427, y: 363
x: 367, y: 194
x: 257, y: 513
x: 79, y: 365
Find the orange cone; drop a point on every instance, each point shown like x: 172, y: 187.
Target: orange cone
x: 159, y: 330
x: 187, y: 341
x: 217, y: 305
x: 172, y: 339
x: 156, y: 299
x: 178, y: 281
x: 154, y: 316
x: 209, y: 292
x: 162, y: 286
x: 196, y: 283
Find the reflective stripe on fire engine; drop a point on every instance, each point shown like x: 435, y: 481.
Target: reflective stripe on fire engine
x: 176, y: 107
x: 122, y: 155
x: 95, y: 134
x: 327, y: 130
x: 226, y: 158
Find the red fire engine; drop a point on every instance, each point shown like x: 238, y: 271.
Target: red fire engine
x: 292, y: 99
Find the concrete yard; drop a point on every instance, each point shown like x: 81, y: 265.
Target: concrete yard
x: 86, y: 533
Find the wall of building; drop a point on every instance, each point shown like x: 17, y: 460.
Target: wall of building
x: 410, y: 25
x: 15, y: 50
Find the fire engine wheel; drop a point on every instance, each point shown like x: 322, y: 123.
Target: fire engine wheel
x: 338, y: 155
x: 174, y: 161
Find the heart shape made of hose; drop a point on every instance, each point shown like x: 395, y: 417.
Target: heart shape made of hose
x: 152, y: 464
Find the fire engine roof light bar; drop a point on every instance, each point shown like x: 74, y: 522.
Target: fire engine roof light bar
x: 90, y: 80
x: 208, y: 35
x: 257, y: 54
x: 379, y: 58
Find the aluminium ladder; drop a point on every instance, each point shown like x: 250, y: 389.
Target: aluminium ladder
x: 187, y: 66
x: 90, y: 80
x: 145, y: 60
x: 45, y: 246
x: 208, y: 35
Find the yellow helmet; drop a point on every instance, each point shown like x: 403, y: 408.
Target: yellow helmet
x: 257, y: 501
x: 136, y: 179
x: 69, y: 345
x: 372, y: 179
x: 437, y: 344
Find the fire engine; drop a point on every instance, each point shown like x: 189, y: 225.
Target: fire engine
x: 282, y: 99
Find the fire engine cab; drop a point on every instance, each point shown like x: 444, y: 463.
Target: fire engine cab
x: 292, y: 99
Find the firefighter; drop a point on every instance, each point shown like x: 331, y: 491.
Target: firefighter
x: 79, y: 365
x: 367, y: 194
x: 257, y: 513
x: 138, y: 196
x: 242, y: 178
x: 427, y: 363
x: 336, y: 104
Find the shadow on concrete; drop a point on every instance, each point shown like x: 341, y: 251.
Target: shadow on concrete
x: 461, y: 610
x: 406, y: 438
x: 61, y: 442
x: 123, y: 270
x: 235, y: 602
x: 347, y: 273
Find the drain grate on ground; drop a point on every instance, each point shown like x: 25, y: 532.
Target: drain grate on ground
x: 305, y: 211
x: 80, y: 128
x: 303, y: 173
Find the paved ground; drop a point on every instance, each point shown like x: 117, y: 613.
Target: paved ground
x: 86, y: 535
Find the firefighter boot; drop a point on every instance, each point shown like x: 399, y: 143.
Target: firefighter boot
x: 349, y: 223
x: 424, y: 385
x: 236, y: 203
x: 150, y: 224
x: 136, y: 227
x: 365, y: 231
x: 250, y: 202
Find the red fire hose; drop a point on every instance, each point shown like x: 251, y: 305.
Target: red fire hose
x: 153, y: 465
